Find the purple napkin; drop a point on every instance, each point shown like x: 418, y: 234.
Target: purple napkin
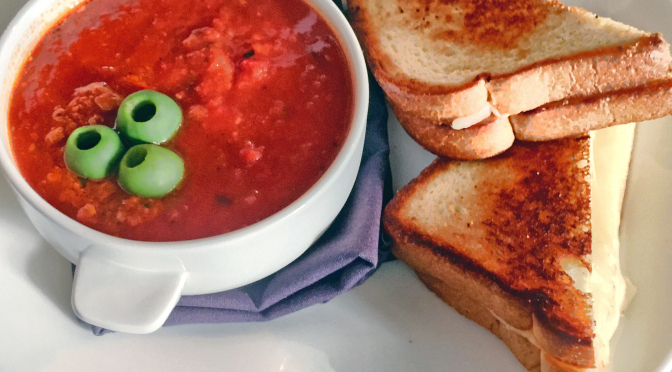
x: 344, y: 257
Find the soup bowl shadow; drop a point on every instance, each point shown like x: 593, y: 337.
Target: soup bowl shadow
x: 132, y: 286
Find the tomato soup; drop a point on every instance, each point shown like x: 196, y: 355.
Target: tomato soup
x: 264, y: 87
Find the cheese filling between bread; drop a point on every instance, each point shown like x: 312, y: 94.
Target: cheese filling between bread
x: 475, y: 118
x: 610, y: 159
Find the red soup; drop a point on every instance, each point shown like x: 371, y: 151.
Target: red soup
x: 264, y: 87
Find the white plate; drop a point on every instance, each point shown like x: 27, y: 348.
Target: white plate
x: 391, y: 323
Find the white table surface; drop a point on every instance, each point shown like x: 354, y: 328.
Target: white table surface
x: 391, y: 323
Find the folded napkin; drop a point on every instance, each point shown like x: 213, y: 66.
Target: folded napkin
x: 345, y: 255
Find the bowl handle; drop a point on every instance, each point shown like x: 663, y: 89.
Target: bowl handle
x: 122, y: 298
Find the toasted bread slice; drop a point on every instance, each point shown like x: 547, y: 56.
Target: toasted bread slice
x: 510, y: 242
x: 439, y: 61
x: 442, y: 60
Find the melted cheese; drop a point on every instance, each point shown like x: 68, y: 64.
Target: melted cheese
x: 611, y: 160
x: 526, y: 333
x: 477, y: 117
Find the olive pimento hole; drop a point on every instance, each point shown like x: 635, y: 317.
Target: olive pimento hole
x: 135, y: 157
x: 144, y: 112
x: 88, y: 140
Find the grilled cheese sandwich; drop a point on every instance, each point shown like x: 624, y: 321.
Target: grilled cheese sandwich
x: 525, y: 244
x: 550, y: 70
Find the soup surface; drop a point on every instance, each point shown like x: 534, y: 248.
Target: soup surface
x: 265, y: 91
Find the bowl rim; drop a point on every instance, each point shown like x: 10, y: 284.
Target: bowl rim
x: 339, y: 25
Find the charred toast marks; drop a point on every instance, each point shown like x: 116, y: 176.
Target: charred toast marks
x: 532, y: 210
x: 495, y: 23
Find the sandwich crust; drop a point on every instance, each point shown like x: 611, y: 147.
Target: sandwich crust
x: 488, y: 138
x: 579, y: 115
x: 592, y: 73
x: 457, y: 289
x: 573, y: 117
x: 495, y: 233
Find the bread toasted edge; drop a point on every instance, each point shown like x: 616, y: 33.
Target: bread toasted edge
x: 460, y: 289
x: 579, y: 115
x: 526, y: 353
x: 468, y: 288
x: 574, y: 117
x: 582, y: 75
x: 486, y: 139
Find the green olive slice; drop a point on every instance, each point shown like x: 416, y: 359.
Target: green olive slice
x: 93, y: 151
x: 150, y: 171
x: 148, y: 116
